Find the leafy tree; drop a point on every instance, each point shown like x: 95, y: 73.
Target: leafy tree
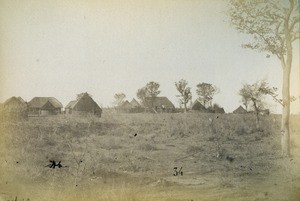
x: 274, y: 25
x: 119, y: 99
x: 253, y: 96
x: 82, y: 94
x: 149, y: 91
x: 152, y: 89
x: 206, y: 92
x: 185, y: 93
x: 272, y: 91
x: 245, y: 102
x: 142, y: 94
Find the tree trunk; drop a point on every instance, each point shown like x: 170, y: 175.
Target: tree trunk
x: 257, y: 115
x: 257, y: 122
x: 285, y: 121
x: 185, y: 108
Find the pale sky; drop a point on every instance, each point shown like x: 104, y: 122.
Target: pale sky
x: 65, y: 47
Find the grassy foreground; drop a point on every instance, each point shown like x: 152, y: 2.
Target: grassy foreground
x: 132, y: 157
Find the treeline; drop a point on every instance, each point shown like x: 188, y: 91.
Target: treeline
x: 252, y: 95
x: 205, y: 93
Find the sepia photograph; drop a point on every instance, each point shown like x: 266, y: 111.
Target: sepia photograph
x: 149, y: 100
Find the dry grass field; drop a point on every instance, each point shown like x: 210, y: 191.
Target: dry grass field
x: 132, y: 157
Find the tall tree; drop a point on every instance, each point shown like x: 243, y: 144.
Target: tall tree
x: 185, y: 92
x: 206, y: 93
x: 119, y: 99
x: 274, y: 25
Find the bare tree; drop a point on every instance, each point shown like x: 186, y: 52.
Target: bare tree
x: 185, y: 92
x: 274, y: 25
x: 206, y: 93
x: 119, y: 99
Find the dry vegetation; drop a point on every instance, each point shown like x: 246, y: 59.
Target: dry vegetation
x: 132, y: 156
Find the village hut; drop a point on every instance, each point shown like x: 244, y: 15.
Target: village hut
x: 216, y: 109
x: 15, y: 108
x: 14, y: 102
x: 125, y: 106
x: 43, y: 106
x: 239, y: 110
x: 197, y: 106
x: 136, y: 107
x: 219, y: 110
x: 83, y: 105
x: 135, y: 104
x: 159, y: 104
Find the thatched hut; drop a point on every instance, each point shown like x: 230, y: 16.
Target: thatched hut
x: 125, y: 107
x: 159, y: 104
x: 83, y: 105
x: 43, y: 106
x: 219, y: 110
x: 197, y: 106
x: 239, y: 110
x: 15, y: 108
x: 136, y: 106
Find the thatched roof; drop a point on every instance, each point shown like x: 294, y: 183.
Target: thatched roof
x: 197, y: 105
x: 15, y: 100
x: 240, y: 110
x: 219, y: 110
x: 71, y: 104
x: 159, y: 102
x: 125, y: 104
x: 39, y: 102
x: 134, y: 103
x: 85, y: 103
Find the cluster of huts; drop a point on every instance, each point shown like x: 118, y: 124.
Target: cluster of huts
x: 150, y: 104
x: 163, y: 104
x: 130, y: 107
x: 17, y: 108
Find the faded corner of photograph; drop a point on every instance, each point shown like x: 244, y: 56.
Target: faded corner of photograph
x: 141, y: 100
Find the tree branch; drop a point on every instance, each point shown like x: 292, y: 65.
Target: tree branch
x: 264, y: 39
x: 295, y: 37
x: 294, y: 22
